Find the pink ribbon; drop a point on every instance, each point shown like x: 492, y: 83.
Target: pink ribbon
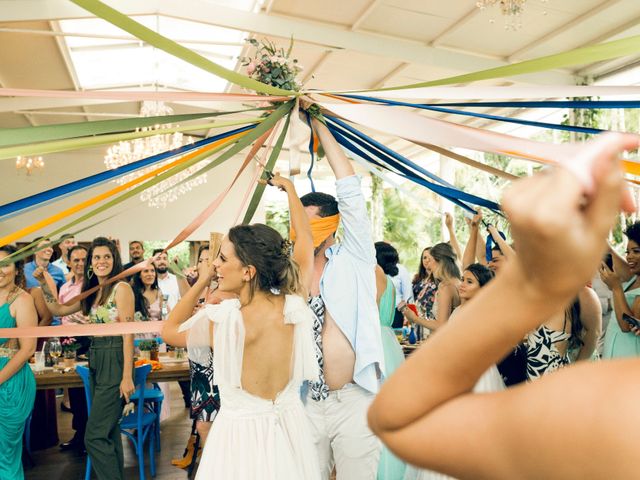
x: 139, y: 96
x: 83, y: 330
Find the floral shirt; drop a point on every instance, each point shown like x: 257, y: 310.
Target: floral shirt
x: 424, y: 293
x: 107, y: 313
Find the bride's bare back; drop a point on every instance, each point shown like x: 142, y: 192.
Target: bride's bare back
x: 268, y: 348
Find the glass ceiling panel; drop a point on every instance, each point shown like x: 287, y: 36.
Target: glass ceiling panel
x: 121, y: 61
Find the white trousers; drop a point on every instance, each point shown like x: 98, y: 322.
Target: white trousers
x: 342, y: 436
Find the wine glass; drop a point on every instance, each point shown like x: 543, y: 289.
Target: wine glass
x: 55, y: 349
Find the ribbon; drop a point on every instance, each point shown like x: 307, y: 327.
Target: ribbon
x: 43, y: 133
x: 573, y: 104
x: 154, y: 39
x: 42, y: 198
x: 83, y: 330
x: 468, y: 161
x: 55, y: 146
x: 296, y: 135
x: 140, y: 96
x: 519, y: 121
x: 248, y: 138
x: 507, y: 93
x: 311, y: 151
x: 489, y: 245
x: 92, y: 201
x: 577, y: 56
x: 403, y: 169
x: 257, y: 194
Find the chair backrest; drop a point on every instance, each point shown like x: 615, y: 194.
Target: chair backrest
x: 140, y: 380
x: 83, y: 372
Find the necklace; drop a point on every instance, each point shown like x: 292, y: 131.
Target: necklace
x: 15, y: 289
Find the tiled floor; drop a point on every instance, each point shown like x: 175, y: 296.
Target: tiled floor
x: 52, y: 464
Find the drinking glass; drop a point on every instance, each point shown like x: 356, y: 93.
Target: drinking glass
x: 39, y: 363
x: 55, y: 349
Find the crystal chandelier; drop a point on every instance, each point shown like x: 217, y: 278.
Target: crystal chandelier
x: 511, y: 9
x: 29, y: 164
x: 123, y: 153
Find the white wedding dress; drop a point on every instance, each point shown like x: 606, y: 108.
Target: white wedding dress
x: 251, y: 437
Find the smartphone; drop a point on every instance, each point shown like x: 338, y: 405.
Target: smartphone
x: 608, y: 260
x: 634, y: 322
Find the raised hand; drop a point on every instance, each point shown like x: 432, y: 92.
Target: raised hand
x: 38, y: 274
x: 560, y: 220
x: 608, y: 276
x: 281, y: 182
x: 448, y: 220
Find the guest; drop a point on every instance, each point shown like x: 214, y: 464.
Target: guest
x: 41, y: 258
x: 76, y: 397
x: 147, y: 296
x: 474, y: 278
x: 390, y: 466
x: 501, y: 251
x: 346, y: 326
x: 447, y: 273
x: 424, y: 286
x: 136, y: 254
x: 387, y: 255
x: 17, y: 384
x: 620, y: 341
x: 172, y: 289
x: 425, y: 413
x: 110, y: 358
x: 67, y: 241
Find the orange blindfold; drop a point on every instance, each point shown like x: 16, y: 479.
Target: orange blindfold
x: 321, y: 229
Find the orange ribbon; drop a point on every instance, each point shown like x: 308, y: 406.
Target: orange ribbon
x: 321, y: 229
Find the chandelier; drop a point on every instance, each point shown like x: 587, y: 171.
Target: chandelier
x: 511, y: 9
x: 123, y: 153
x: 29, y: 164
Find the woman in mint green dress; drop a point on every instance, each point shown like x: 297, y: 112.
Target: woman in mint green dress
x: 619, y: 340
x: 17, y: 384
x: 390, y: 467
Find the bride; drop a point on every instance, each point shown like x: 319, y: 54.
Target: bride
x: 263, y: 351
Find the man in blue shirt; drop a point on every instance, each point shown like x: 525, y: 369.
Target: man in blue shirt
x: 41, y: 258
x: 346, y: 324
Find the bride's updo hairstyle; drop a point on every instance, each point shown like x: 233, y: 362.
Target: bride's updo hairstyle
x: 265, y: 249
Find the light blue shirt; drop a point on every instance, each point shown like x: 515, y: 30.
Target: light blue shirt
x: 348, y: 284
x: 404, y: 287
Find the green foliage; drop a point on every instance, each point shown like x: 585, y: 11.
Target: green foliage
x: 277, y: 217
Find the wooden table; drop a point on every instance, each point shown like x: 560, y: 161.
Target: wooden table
x: 169, y: 372
x: 408, y: 349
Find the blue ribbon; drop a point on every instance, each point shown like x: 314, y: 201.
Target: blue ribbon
x: 588, y: 104
x: 401, y: 164
x: 310, y: 171
x: 489, y: 245
x: 42, y: 198
x: 519, y: 121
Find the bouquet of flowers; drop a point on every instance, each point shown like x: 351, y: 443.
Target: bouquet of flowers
x: 272, y: 65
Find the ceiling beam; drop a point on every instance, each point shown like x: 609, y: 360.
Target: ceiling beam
x: 309, y: 74
x: 365, y: 14
x: 455, y: 25
x: 23, y: 104
x: 316, y: 33
x: 518, y: 54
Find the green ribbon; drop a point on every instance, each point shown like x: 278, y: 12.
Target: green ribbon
x: 577, y: 56
x: 238, y: 145
x: 56, y: 146
x: 257, y: 194
x: 147, y: 35
x: 44, y: 133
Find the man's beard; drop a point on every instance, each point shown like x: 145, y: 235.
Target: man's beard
x: 162, y: 270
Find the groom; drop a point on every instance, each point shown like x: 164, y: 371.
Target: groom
x: 346, y: 326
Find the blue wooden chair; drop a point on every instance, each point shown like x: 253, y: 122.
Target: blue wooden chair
x: 153, y: 397
x: 142, y: 422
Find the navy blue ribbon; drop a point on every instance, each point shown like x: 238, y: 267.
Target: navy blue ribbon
x: 519, y: 121
x: 40, y: 199
x: 310, y: 171
x: 402, y: 164
x: 489, y: 245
